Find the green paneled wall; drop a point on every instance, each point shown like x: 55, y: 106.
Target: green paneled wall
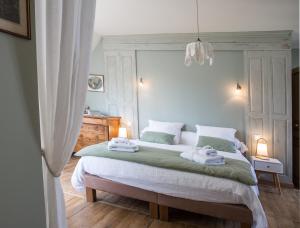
x: 96, y: 100
x: 21, y: 186
x: 195, y: 94
x: 174, y: 92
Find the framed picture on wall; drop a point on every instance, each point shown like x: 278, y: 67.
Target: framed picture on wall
x: 96, y: 83
x: 15, y: 17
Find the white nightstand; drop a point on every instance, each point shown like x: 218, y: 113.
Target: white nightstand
x: 272, y: 166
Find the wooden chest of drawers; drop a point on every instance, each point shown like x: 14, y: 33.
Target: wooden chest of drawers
x: 96, y: 129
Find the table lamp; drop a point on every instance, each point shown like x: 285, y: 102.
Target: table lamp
x: 262, y: 149
x: 122, y: 132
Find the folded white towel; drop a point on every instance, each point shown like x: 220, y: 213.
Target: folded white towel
x: 203, y: 159
x: 120, y: 140
x: 122, y: 145
x: 209, y: 160
x: 187, y: 155
x: 208, y: 150
x: 123, y: 149
x: 128, y: 145
x: 206, y: 147
x: 211, y: 152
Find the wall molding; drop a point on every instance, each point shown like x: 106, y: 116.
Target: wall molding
x: 261, y: 40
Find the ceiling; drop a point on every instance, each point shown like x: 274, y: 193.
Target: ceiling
x: 125, y: 17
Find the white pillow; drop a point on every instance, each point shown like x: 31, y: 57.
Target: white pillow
x: 154, y: 123
x: 143, y: 131
x: 243, y: 148
x: 166, y: 127
x: 188, y: 138
x: 238, y: 143
x: 218, y: 132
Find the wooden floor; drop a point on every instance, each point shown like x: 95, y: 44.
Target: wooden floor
x: 283, y: 211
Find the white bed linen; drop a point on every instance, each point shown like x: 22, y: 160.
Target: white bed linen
x: 174, y: 183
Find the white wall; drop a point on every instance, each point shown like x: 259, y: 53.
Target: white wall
x: 121, y: 17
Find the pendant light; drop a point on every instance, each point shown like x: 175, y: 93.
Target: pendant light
x: 198, y: 51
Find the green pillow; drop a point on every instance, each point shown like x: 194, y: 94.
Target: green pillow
x: 216, y: 143
x: 158, y: 137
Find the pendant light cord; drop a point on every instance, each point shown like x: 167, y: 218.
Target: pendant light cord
x: 198, y: 21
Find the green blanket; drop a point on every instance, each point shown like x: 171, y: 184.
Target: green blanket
x: 233, y: 169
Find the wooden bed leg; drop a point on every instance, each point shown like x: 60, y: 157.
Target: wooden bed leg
x: 153, y: 208
x: 163, y: 213
x: 245, y: 225
x: 90, y: 194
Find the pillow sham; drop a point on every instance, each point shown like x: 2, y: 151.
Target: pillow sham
x: 172, y: 128
x: 188, y: 138
x: 143, y: 131
x: 216, y: 143
x: 218, y: 132
x: 155, y: 123
x: 243, y: 148
x: 158, y: 137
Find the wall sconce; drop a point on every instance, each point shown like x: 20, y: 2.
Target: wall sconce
x: 238, y: 89
x: 141, y: 82
x: 262, y: 149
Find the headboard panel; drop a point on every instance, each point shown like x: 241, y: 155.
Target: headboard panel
x: 192, y: 95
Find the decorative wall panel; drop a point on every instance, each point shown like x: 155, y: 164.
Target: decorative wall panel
x: 268, y: 74
x: 120, y: 68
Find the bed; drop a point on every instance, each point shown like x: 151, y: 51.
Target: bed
x: 163, y: 188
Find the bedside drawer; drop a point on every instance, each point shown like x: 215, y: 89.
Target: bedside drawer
x: 268, y: 166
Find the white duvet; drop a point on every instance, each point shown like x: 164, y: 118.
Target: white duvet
x: 174, y: 183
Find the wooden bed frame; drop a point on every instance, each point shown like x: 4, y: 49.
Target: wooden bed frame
x: 159, y: 203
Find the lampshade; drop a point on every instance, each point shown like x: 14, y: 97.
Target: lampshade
x: 262, y: 149
x: 122, y: 132
x: 198, y: 51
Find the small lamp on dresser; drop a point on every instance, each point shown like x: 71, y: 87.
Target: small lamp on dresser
x: 122, y: 132
x: 263, y: 164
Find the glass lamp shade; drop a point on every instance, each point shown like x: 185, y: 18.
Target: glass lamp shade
x: 122, y: 132
x: 199, y: 52
x: 262, y: 149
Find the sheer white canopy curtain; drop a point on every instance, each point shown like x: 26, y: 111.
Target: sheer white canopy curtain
x: 64, y: 30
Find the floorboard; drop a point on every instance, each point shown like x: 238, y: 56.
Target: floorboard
x: 112, y: 211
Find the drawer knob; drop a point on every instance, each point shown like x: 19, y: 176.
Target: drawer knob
x: 268, y: 166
